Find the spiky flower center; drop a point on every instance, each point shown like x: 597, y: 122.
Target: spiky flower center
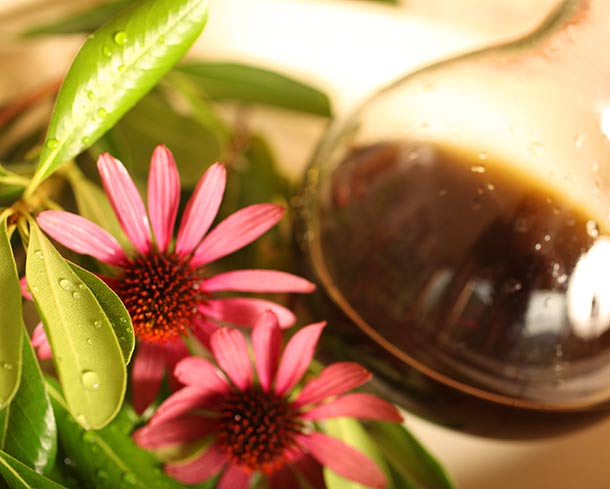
x: 256, y: 428
x: 161, y: 292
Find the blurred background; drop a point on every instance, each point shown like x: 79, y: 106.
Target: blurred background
x: 347, y: 49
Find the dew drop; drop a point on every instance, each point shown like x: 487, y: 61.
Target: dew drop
x: 101, y: 474
x: 89, y: 341
x: 89, y: 436
x: 86, y: 140
x: 101, y: 112
x: 90, y: 380
x: 39, y: 254
x: 81, y: 286
x: 592, y: 229
x: 76, y: 295
x: 7, y: 365
x: 121, y: 38
x: 65, y: 284
x: 477, y: 169
x: 52, y: 143
x: 97, y: 324
x: 123, y: 320
x: 129, y: 478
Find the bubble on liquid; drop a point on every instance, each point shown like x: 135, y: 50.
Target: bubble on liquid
x: 97, y: 323
x: 7, y: 365
x: 90, y: 380
x: 129, y: 478
x: 65, y: 284
x: 121, y: 38
x: 52, y: 143
x: 101, y: 112
x: 478, y: 169
x: 592, y: 229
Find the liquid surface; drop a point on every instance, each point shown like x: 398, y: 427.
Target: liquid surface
x: 486, y: 279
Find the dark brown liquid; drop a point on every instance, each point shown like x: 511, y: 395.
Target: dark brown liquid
x: 472, y: 273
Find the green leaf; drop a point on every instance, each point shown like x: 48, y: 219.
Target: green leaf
x: 27, y: 424
x: 352, y: 433
x: 83, y: 21
x: 108, y: 458
x: 86, y: 352
x: 93, y: 204
x: 114, y: 309
x: 153, y: 121
x: 244, y: 83
x: 11, y: 320
x: 20, y: 476
x: 408, y: 457
x: 116, y: 66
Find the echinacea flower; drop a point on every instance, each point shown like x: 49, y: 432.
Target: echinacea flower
x: 255, y: 421
x: 164, y: 283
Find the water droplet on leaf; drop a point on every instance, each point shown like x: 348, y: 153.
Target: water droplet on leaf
x: 90, y: 380
x: 101, y: 112
x: 97, y: 323
x: 129, y: 478
x: 592, y: 229
x: 52, y: 143
x: 76, y: 295
x: 65, y: 284
x: 121, y: 38
x: 7, y: 365
x: 106, y: 51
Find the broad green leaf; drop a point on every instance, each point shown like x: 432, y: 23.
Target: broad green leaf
x: 83, y: 21
x: 153, y: 121
x: 11, y: 320
x: 86, y: 352
x: 108, y: 458
x: 114, y: 309
x: 93, y: 204
x: 244, y: 83
x: 27, y: 424
x: 350, y: 431
x: 20, y: 476
x: 116, y: 66
x: 408, y: 457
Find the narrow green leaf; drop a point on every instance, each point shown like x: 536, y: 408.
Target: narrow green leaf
x: 351, y: 432
x: 83, y: 21
x: 116, y: 66
x: 408, y: 457
x: 11, y: 320
x: 27, y: 424
x: 86, y: 352
x: 20, y: 476
x: 108, y: 458
x: 93, y: 204
x: 114, y: 309
x: 244, y: 83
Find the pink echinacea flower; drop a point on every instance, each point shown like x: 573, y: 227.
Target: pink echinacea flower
x: 164, y: 283
x: 255, y: 422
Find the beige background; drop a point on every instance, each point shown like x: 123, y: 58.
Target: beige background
x: 349, y: 48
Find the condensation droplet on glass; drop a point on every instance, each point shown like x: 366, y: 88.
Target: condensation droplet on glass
x: 592, y: 229
x: 477, y: 168
x: 52, y: 143
x: 101, y: 112
x: 121, y: 38
x: 90, y: 380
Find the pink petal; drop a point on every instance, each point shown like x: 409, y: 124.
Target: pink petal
x: 245, y: 312
x: 163, y: 195
x: 41, y: 343
x: 185, y: 400
x: 343, y: 459
x: 146, y: 375
x: 231, y: 352
x: 334, y: 380
x: 81, y: 235
x: 234, y: 478
x: 312, y: 470
x: 125, y: 201
x: 202, y: 329
x: 175, y: 431
x: 258, y: 281
x: 200, y: 373
x: 358, y: 405
x: 200, y: 469
x: 266, y: 343
x: 174, y: 351
x: 236, y: 231
x: 201, y: 209
x: 283, y: 478
x: 25, y: 291
x: 297, y: 357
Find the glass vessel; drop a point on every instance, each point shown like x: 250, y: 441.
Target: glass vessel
x: 460, y: 219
